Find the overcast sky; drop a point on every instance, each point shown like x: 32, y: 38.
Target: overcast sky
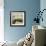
x: 1, y: 21
x: 1, y: 3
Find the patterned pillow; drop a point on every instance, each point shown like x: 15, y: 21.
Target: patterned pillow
x: 28, y: 40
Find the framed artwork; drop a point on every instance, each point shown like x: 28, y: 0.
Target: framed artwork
x: 17, y: 18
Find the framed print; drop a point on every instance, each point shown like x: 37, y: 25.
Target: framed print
x: 17, y: 18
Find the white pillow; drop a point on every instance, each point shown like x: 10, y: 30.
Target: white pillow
x: 20, y: 42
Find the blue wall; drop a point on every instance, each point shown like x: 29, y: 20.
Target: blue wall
x: 30, y: 6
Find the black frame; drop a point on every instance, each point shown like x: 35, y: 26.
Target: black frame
x: 18, y: 25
